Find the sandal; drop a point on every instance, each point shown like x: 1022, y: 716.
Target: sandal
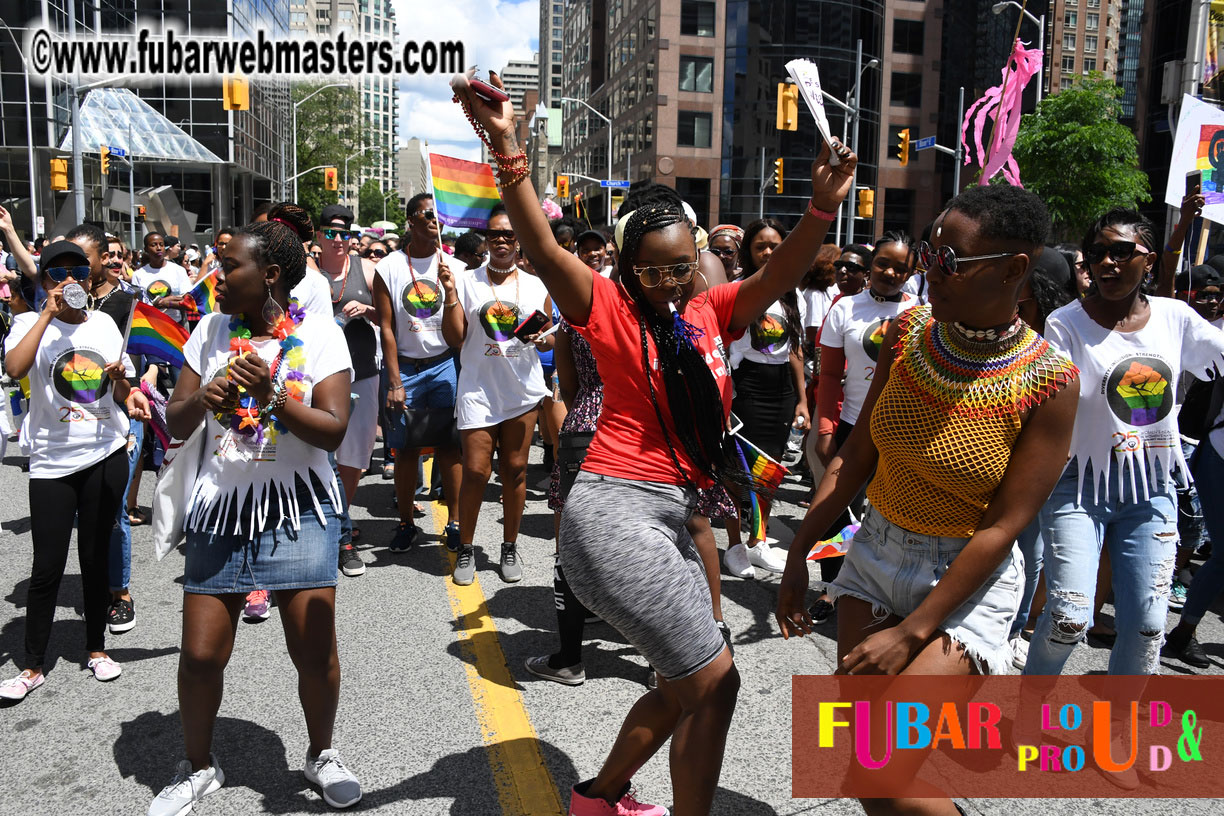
x: 137, y: 516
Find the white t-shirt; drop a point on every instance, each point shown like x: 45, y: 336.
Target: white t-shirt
x: 499, y: 377
x: 171, y: 279
x: 766, y: 341
x: 817, y: 303
x: 858, y: 325
x: 313, y: 294
x: 73, y: 421
x: 416, y: 300
x: 236, y: 467
x: 913, y: 284
x: 1127, y: 412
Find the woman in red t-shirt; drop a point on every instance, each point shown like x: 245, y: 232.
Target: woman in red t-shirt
x: 660, y: 437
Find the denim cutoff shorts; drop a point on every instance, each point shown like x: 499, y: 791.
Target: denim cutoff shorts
x: 894, y: 570
x: 281, y: 558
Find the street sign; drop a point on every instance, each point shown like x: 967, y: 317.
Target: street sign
x: 116, y: 151
x: 620, y: 185
x: 923, y: 144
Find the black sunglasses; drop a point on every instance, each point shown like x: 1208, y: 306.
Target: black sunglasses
x: 652, y: 276
x: 1118, y: 252
x: 332, y: 234
x: 59, y: 274
x: 724, y: 252
x: 427, y: 214
x: 377, y: 253
x: 506, y: 234
x: 850, y: 266
x: 945, y: 258
x: 1208, y: 297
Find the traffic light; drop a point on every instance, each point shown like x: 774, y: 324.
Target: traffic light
x: 331, y: 179
x: 562, y: 186
x: 903, y: 141
x: 235, y: 93
x: 140, y: 212
x: 788, y: 106
x: 59, y: 174
x: 866, y: 203
x: 778, y: 176
x: 104, y: 154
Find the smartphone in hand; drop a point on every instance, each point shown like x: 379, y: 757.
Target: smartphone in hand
x: 487, y: 92
x: 531, y: 325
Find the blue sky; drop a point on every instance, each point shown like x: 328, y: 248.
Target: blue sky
x: 493, y: 32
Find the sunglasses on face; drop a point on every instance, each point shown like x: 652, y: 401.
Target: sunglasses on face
x: 59, y: 274
x: 505, y: 235
x: 652, y: 276
x: 1207, y: 297
x: 724, y: 252
x: 850, y: 267
x: 428, y: 215
x: 376, y: 253
x: 945, y: 258
x: 1118, y: 251
x: 344, y: 235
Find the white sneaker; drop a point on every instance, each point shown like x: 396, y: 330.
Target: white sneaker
x: 1019, y: 652
x: 187, y: 788
x: 104, y: 668
x: 767, y: 558
x: 737, y: 563
x: 339, y: 787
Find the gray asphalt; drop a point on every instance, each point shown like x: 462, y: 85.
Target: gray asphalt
x: 407, y: 724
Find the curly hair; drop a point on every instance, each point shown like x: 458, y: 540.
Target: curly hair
x: 822, y: 275
x: 1005, y: 213
x: 693, y: 395
x: 279, y: 241
x: 790, y: 300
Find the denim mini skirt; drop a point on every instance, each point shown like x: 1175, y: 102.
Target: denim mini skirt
x: 894, y: 570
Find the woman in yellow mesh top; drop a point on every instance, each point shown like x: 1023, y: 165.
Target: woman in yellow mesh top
x: 971, y: 414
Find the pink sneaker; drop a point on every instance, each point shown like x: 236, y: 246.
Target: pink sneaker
x: 104, y: 668
x: 626, y: 806
x: 20, y: 686
x: 258, y: 606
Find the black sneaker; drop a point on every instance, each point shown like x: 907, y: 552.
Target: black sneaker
x: 725, y: 630
x: 121, y: 616
x: 821, y: 611
x: 350, y: 562
x: 1189, y: 652
x: 405, y: 536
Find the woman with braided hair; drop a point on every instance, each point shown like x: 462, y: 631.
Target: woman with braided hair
x: 661, y: 436
x: 268, y: 386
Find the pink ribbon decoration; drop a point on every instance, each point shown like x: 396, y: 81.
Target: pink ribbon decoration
x: 1002, y: 104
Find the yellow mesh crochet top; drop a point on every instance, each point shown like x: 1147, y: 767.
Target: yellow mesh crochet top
x: 948, y: 417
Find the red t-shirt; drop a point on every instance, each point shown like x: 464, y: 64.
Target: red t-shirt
x: 629, y: 443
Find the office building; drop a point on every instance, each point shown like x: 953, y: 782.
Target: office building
x: 412, y: 170
x: 1085, y: 38
x: 518, y: 77
x: 552, y: 22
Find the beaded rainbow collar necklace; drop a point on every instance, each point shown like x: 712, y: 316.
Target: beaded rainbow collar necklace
x: 248, y: 419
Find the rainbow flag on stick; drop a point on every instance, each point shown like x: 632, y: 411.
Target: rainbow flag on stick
x: 837, y: 545
x: 766, y: 472
x: 154, y: 334
x: 464, y: 191
x: 203, y: 298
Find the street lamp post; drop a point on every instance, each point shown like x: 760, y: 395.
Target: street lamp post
x: 608, y: 122
x: 295, y: 107
x: 854, y: 136
x: 999, y: 8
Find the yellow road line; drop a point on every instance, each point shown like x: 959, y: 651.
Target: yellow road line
x: 524, y: 785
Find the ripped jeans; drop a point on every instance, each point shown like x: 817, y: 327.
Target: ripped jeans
x: 1142, y: 540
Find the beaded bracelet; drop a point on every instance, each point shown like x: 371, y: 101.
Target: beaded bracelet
x: 823, y: 215
x: 275, y: 404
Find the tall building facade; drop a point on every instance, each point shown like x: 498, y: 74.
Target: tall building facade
x: 552, y: 24
x: 1085, y: 39
x: 518, y: 77
x: 413, y: 169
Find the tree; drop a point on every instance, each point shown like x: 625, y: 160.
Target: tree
x: 1079, y: 158
x: 375, y: 205
x: 328, y: 125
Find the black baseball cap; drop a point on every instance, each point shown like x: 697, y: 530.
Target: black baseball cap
x: 333, y: 211
x: 171, y: 241
x: 591, y: 233
x: 62, y: 253
x: 1200, y: 276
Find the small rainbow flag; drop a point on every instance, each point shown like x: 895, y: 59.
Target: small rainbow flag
x: 156, y: 335
x: 464, y: 191
x: 837, y: 545
x: 765, y: 472
x: 203, y: 298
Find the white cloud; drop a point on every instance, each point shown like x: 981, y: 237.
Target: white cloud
x: 493, y: 32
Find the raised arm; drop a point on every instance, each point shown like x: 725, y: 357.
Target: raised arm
x: 793, y: 258
x: 1191, y: 208
x: 567, y: 279
x: 16, y: 247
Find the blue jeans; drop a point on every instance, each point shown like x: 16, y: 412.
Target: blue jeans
x: 1208, y: 470
x: 120, y: 566
x: 1032, y: 547
x: 1142, y: 540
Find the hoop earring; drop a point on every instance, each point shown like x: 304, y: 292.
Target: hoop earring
x: 272, y: 311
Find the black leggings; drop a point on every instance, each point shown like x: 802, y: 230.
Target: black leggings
x: 91, y: 497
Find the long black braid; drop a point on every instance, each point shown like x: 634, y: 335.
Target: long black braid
x: 790, y: 299
x: 693, y: 396
x: 279, y: 241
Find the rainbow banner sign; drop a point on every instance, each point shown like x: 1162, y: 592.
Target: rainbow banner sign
x: 464, y: 191
x: 203, y: 298
x: 154, y: 334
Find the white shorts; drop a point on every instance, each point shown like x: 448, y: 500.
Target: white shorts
x: 358, y: 442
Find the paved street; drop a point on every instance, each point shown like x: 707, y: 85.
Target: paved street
x: 437, y: 714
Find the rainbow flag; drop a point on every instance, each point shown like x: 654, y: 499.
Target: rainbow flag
x: 767, y: 473
x: 156, y: 335
x: 464, y: 191
x: 837, y: 545
x: 203, y: 298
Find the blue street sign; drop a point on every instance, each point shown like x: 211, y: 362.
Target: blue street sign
x: 117, y: 151
x: 620, y: 185
x: 923, y: 144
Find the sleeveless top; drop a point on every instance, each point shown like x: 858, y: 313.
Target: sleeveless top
x: 946, y: 421
x: 362, y: 344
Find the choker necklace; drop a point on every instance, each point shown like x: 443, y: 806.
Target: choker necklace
x: 509, y: 271
x: 885, y: 298
x: 990, y: 335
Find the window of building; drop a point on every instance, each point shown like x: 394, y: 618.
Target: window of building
x: 1064, y: 84
x: 321, y: 14
x: 1089, y: 64
x: 694, y: 129
x: 1068, y: 63
x: 1071, y: 3
x: 696, y: 191
x: 297, y: 2
x: 1094, y: 3
x: 908, y: 36
x: 697, y: 18
x: 347, y: 14
x: 1070, y: 19
x: 906, y: 90
x: 1090, y: 43
x: 297, y: 17
x: 1068, y: 41
x: 697, y: 74
x: 1092, y: 22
